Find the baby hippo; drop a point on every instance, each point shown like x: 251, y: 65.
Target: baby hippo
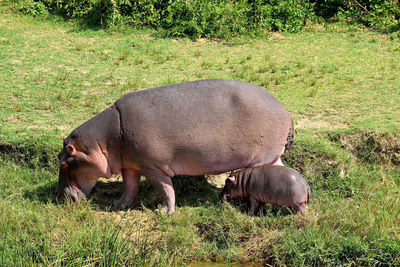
x: 273, y: 184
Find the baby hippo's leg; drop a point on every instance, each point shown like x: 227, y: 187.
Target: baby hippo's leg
x: 254, y: 205
x: 263, y: 209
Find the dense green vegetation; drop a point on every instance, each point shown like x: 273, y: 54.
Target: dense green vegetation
x: 223, y: 19
x: 339, y: 82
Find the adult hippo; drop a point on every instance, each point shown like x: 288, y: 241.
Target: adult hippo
x: 193, y: 128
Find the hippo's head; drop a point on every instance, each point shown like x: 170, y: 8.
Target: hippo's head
x: 230, y: 189
x: 82, y: 163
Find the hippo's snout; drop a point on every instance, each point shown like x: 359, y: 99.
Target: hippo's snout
x: 65, y: 189
x: 69, y: 191
x: 75, y: 195
x: 225, y: 196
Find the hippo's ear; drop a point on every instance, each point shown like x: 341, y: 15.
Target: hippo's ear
x: 71, y: 150
x: 63, y: 137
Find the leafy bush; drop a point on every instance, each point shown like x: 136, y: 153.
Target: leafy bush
x: 381, y: 14
x: 30, y: 7
x: 212, y: 18
x: 191, y: 18
x: 286, y: 16
x: 206, y: 18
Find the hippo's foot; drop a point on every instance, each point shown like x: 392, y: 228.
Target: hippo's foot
x: 163, y: 184
x: 165, y: 210
x: 121, y: 203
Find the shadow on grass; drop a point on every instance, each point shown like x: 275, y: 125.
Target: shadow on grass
x: 44, y: 193
x: 243, y: 205
x: 190, y: 191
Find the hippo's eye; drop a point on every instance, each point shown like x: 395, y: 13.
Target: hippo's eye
x: 71, y: 162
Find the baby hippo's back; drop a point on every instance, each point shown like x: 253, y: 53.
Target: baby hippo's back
x: 279, y: 185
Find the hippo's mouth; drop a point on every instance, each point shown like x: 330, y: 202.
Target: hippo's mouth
x: 68, y: 188
x: 74, y: 193
x: 226, y: 197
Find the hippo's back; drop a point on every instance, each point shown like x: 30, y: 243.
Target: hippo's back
x: 216, y: 125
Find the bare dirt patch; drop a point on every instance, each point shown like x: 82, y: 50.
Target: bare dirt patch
x: 276, y: 36
x: 207, y: 40
x: 12, y: 119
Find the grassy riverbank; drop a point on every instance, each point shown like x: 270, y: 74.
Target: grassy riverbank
x: 340, y: 84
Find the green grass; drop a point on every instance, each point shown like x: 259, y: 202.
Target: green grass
x: 340, y: 84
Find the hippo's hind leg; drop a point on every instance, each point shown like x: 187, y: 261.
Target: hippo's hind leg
x: 163, y: 183
x: 131, y: 187
x: 300, y: 201
x: 277, y: 160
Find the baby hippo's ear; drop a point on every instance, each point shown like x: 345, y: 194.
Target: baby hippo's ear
x: 231, y: 180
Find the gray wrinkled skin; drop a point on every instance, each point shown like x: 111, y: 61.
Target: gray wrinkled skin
x: 277, y: 185
x: 194, y: 128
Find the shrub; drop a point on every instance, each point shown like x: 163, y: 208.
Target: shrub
x: 30, y: 7
x: 286, y: 16
x: 212, y: 18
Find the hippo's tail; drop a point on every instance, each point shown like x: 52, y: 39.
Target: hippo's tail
x: 290, y: 136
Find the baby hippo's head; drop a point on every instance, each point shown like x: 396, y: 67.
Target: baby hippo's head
x: 231, y: 189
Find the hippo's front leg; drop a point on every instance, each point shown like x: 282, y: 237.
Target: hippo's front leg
x: 254, y: 205
x: 163, y: 183
x: 131, y: 187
